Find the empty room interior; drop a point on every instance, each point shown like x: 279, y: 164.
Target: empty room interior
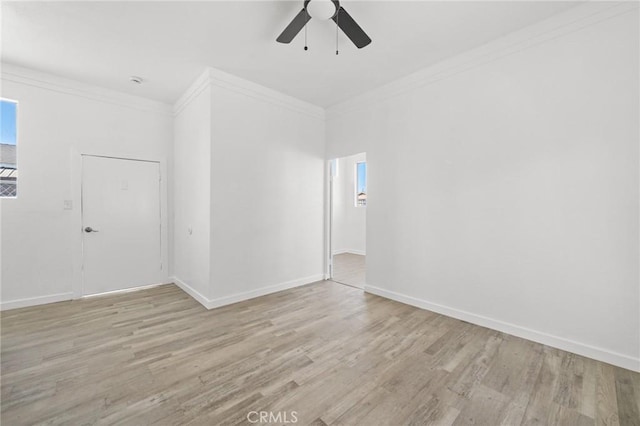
x: 320, y: 212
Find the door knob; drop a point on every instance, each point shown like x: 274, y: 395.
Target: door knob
x: 90, y: 229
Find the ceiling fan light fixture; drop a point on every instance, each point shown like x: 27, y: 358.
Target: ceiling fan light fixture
x: 321, y: 9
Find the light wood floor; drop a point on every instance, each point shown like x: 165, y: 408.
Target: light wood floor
x: 329, y: 352
x: 349, y: 268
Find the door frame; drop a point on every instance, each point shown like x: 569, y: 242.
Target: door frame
x: 76, y: 213
x: 329, y: 220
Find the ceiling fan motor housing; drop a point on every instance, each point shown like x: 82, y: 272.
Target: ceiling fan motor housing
x: 319, y: 10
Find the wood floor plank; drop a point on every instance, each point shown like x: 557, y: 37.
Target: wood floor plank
x: 606, y: 398
x: 329, y: 352
x: 486, y: 407
x: 627, y: 399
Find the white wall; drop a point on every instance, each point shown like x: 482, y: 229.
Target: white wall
x: 349, y: 230
x: 267, y: 190
x: 192, y: 189
x: 249, y: 172
x: 57, y: 121
x: 504, y: 184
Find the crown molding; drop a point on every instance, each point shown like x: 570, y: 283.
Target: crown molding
x: 556, y: 26
x: 259, y: 92
x: 198, y: 86
x: 212, y: 77
x: 29, y: 77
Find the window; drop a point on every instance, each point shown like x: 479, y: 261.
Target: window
x: 361, y: 184
x: 8, y: 165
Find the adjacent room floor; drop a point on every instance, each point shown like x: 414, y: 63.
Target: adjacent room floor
x: 349, y: 268
x: 329, y: 352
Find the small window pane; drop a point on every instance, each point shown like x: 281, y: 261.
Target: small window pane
x: 8, y: 163
x: 361, y: 184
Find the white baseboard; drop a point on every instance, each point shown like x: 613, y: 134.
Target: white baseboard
x: 199, y: 297
x: 34, y: 301
x: 240, y: 297
x: 583, y: 349
x: 351, y: 251
x: 124, y: 290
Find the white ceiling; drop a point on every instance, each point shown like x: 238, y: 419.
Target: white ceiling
x: 170, y: 43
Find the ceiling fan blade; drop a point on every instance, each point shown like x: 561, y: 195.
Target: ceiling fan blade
x: 351, y: 28
x: 294, y: 27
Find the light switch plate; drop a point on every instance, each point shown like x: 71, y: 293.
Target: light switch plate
x: 68, y: 205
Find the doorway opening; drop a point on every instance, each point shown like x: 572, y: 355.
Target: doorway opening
x: 348, y: 220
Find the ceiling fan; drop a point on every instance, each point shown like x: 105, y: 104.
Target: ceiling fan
x: 323, y: 10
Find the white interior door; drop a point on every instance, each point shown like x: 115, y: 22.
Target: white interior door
x: 120, y: 224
